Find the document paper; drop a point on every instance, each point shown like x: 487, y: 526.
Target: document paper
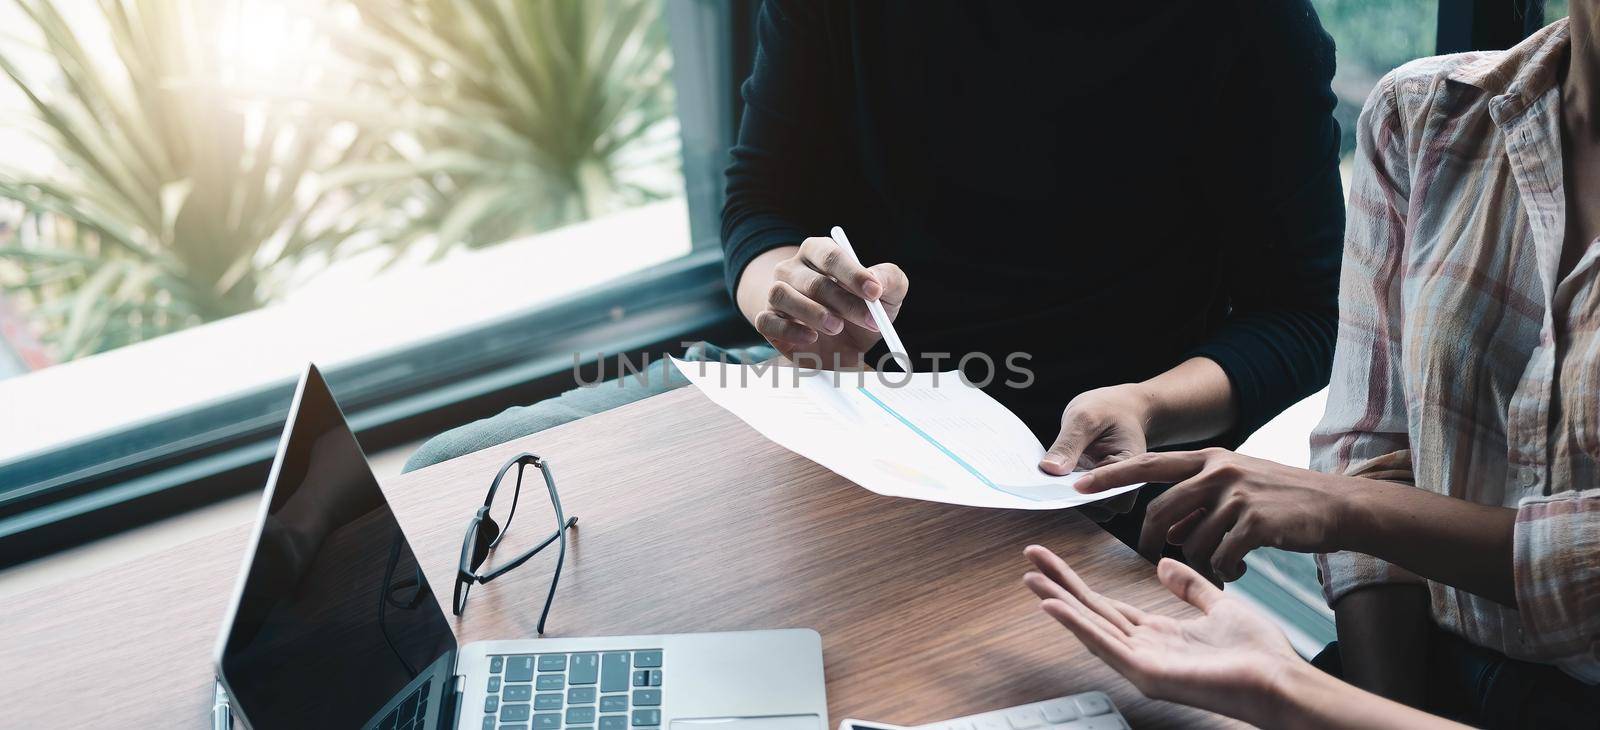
x: 929, y: 436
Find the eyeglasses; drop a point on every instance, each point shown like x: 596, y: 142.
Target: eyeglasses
x: 484, y: 535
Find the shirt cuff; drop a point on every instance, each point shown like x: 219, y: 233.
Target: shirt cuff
x: 1555, y: 541
x: 1345, y: 571
x: 750, y: 241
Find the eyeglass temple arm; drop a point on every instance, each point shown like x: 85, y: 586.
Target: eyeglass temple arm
x: 523, y: 558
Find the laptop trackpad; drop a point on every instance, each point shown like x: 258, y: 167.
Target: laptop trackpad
x: 777, y: 722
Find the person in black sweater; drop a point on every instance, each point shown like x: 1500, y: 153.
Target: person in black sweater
x: 1142, y: 197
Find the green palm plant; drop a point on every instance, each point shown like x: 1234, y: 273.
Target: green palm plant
x: 515, y: 116
x: 175, y: 201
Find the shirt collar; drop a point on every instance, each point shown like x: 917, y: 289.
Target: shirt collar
x: 1520, y: 75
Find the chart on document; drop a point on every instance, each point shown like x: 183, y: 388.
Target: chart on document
x: 929, y: 436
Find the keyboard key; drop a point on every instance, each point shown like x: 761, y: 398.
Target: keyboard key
x: 1107, y: 722
x: 550, y: 681
x: 580, y: 715
x: 549, y: 721
x: 495, y: 663
x: 614, y: 671
x: 647, y: 659
x: 1060, y: 711
x: 992, y: 722
x: 614, y: 703
x: 646, y: 697
x: 408, y: 706
x: 613, y: 722
x: 513, y: 713
x: 517, y: 693
x: 513, y: 727
x: 519, y: 669
x: 655, y: 678
x: 646, y: 718
x: 488, y: 722
x: 1025, y: 718
x: 1093, y: 704
x: 494, y: 685
x: 491, y: 703
x: 641, y: 678
x: 550, y: 701
x: 585, y: 669
x: 580, y: 695
x: 552, y: 662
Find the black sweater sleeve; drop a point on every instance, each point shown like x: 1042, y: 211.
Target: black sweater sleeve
x: 778, y: 181
x: 1281, y: 204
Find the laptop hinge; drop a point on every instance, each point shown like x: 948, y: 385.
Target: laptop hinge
x: 450, y: 718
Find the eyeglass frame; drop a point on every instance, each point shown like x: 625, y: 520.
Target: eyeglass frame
x: 467, y: 574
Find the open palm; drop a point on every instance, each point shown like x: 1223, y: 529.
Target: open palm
x: 1224, y: 660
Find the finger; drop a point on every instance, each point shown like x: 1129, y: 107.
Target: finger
x: 1047, y: 590
x: 1179, y: 531
x: 829, y: 294
x: 1136, y: 616
x: 895, y: 284
x: 1078, y: 430
x: 1187, y: 584
x: 1153, y: 466
x: 1166, y: 510
x: 786, y: 300
x: 1229, y: 558
x: 1111, y: 649
x: 780, y: 329
x: 1057, y: 570
x: 827, y: 258
x: 1203, y: 540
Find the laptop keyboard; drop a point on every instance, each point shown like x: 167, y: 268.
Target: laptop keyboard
x: 608, y: 690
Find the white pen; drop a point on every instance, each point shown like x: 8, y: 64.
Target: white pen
x: 879, y: 316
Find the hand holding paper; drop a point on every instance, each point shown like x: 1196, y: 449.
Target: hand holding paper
x: 928, y: 436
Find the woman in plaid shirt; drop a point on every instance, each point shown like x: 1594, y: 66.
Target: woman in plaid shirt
x: 1455, y: 502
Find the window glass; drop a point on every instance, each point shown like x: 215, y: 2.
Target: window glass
x: 1373, y: 37
x: 201, y: 195
x: 186, y: 166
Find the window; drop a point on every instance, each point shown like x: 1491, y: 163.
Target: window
x: 206, y: 194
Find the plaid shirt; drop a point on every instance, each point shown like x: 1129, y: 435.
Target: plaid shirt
x: 1463, y: 365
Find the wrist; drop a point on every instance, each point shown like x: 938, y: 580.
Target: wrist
x: 1297, y: 695
x: 1144, y: 403
x: 1189, y: 403
x: 1354, y: 518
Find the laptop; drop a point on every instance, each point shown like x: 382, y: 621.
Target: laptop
x: 334, y: 625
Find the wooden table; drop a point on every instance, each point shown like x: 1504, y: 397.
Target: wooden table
x: 690, y: 521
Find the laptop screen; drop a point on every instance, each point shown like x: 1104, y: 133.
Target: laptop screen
x: 334, y: 618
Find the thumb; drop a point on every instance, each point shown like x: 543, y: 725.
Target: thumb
x: 1185, y: 583
x: 1076, y: 435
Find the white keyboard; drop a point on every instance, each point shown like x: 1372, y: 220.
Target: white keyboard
x: 1087, y: 711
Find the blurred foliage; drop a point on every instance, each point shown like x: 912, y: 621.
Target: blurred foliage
x: 174, y: 203
x: 1373, y: 37
x: 516, y: 116
x: 185, y: 192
